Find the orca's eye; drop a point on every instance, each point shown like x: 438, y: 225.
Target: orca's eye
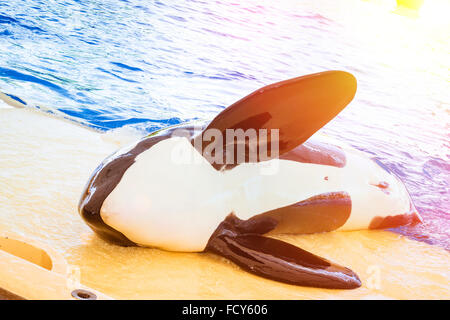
x: 383, y: 185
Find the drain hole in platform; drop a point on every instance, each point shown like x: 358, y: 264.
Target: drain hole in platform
x: 81, y: 294
x: 26, y: 251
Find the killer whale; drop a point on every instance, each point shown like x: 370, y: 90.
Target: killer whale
x: 138, y: 196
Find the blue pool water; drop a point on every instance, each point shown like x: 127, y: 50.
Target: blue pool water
x: 150, y: 64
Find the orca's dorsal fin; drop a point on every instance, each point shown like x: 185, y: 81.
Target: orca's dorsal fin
x: 297, y: 107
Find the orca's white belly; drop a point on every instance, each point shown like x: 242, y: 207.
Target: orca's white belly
x: 172, y: 198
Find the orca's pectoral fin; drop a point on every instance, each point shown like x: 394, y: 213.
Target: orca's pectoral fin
x: 296, y: 107
x: 281, y: 261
